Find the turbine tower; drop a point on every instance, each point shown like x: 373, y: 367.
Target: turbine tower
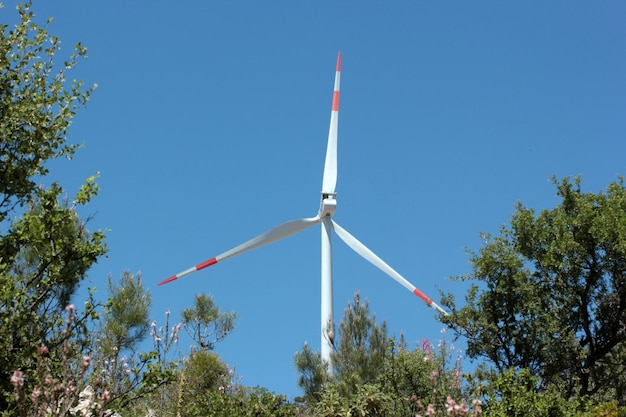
x: 325, y: 218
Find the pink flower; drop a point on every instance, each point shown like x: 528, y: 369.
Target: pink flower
x: 70, y: 313
x: 430, y: 410
x: 42, y: 350
x: 451, y: 408
x: 86, y: 362
x: 34, y: 396
x: 17, y: 380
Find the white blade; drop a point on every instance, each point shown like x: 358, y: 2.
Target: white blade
x: 277, y: 233
x: 329, y: 181
x: 362, y: 250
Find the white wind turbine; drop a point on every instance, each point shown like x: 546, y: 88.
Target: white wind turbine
x: 324, y: 216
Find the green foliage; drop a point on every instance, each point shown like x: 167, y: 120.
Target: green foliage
x: 375, y: 376
x: 189, y: 385
x: 313, y: 374
x: 430, y: 376
x: 37, y: 104
x: 45, y: 255
x: 203, y: 371
x: 162, y: 375
x: 517, y: 394
x: 205, y: 323
x: 45, y: 248
x: 240, y: 401
x: 362, y: 349
x: 126, y: 319
x: 60, y: 374
x: 551, y: 294
x: 358, y: 359
x: 368, y: 400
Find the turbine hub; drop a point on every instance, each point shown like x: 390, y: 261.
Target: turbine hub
x: 328, y: 206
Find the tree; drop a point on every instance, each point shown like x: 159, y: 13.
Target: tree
x: 205, y: 323
x: 376, y: 375
x: 126, y: 320
x: 549, y: 294
x: 37, y: 105
x: 45, y: 247
x: 313, y: 374
x: 358, y: 359
x: 362, y: 349
x: 124, y: 325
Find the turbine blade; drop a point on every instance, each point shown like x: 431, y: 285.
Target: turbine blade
x: 366, y: 253
x: 277, y: 233
x: 329, y: 181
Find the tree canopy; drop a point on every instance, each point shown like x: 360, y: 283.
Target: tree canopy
x: 549, y: 294
x: 45, y: 247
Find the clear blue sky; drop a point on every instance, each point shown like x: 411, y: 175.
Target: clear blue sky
x: 210, y: 121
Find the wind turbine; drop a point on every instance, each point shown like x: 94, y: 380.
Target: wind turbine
x: 325, y: 218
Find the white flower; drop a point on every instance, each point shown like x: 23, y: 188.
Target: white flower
x: 85, y: 403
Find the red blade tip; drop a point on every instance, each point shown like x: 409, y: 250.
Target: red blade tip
x: 170, y: 279
x: 339, y: 61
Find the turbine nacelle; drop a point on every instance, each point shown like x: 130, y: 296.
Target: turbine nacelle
x: 328, y: 205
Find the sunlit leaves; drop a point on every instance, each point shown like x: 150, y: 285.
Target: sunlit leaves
x: 45, y: 247
x: 551, y: 292
x: 37, y: 104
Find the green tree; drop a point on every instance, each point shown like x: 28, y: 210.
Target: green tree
x: 125, y: 324
x: 362, y: 349
x: 427, y: 376
x: 205, y: 323
x: 203, y: 371
x: 359, y: 358
x: 240, y: 401
x: 376, y: 375
x: 45, y: 247
x: 517, y: 394
x: 550, y: 294
x: 37, y: 104
x: 313, y: 374
x: 126, y: 320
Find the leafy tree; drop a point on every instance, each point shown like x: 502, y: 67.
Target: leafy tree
x: 241, y: 401
x: 203, y: 371
x: 205, y: 323
x: 550, y: 294
x: 430, y: 376
x: 45, y: 247
x: 368, y: 400
x: 37, y: 104
x: 516, y: 394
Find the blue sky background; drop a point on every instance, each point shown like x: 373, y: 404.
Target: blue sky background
x: 210, y: 121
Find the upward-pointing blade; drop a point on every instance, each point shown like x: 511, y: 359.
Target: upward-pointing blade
x: 277, y: 233
x: 329, y: 181
x: 362, y: 250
